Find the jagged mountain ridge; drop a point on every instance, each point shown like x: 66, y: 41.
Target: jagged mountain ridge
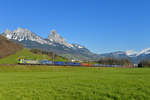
x: 23, y: 34
x: 54, y: 43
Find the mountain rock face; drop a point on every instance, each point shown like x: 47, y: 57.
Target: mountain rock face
x: 8, y: 47
x: 54, y: 43
x: 55, y: 37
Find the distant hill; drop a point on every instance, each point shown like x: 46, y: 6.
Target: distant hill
x: 8, y: 47
x: 133, y: 56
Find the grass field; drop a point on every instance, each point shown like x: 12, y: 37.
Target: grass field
x: 73, y: 83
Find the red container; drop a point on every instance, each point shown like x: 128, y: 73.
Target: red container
x: 90, y: 65
x: 85, y: 64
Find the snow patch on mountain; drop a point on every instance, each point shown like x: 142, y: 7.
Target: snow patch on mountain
x: 78, y: 46
x: 131, y: 53
x: 119, y: 53
x: 145, y: 51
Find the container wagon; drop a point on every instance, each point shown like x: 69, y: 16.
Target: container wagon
x: 46, y: 62
x: 72, y: 64
x: 59, y: 63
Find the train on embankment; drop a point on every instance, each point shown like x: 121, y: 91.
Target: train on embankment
x: 61, y: 63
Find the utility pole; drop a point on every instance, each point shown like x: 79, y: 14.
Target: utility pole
x: 53, y: 57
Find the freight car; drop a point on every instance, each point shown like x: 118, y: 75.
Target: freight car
x: 46, y: 62
x: 72, y: 64
x: 59, y: 63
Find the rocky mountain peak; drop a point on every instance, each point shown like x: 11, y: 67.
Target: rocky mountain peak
x: 8, y: 31
x: 23, y: 32
x: 54, y: 31
x: 19, y: 30
x: 55, y: 37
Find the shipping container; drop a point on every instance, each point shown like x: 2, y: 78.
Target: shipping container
x: 72, y: 64
x: 60, y: 63
x: 77, y: 64
x: 90, y: 65
x: 84, y: 64
x: 96, y: 65
x: 46, y: 62
x: 69, y: 63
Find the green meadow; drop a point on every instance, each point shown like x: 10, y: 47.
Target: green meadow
x: 73, y: 83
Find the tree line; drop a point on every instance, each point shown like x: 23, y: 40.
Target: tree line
x: 114, y: 61
x: 144, y: 63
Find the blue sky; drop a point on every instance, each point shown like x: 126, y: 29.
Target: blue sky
x: 100, y: 25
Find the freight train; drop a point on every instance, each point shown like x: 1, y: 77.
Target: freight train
x: 61, y: 63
